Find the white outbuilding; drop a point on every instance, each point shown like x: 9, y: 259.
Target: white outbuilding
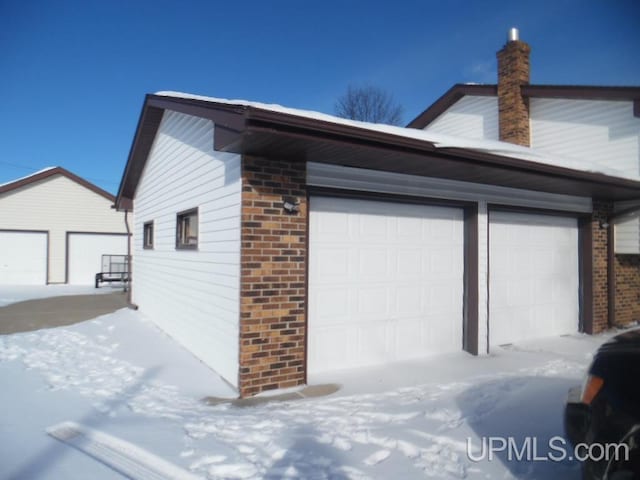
x: 55, y: 227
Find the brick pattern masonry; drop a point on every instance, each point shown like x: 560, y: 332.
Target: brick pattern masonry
x: 273, y: 276
x: 601, y: 212
x: 627, y: 289
x: 513, y: 108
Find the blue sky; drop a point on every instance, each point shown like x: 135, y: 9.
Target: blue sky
x: 73, y: 74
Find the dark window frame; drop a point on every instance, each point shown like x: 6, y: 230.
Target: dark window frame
x: 148, y: 235
x: 181, y: 242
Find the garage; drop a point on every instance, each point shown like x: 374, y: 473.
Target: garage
x: 534, y: 276
x: 84, y: 254
x: 23, y: 258
x: 385, y: 282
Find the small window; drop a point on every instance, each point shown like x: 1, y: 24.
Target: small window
x: 147, y: 235
x: 187, y: 229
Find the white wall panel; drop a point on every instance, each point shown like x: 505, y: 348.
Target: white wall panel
x: 627, y: 235
x: 192, y: 294
x: 600, y: 133
x: 469, y: 117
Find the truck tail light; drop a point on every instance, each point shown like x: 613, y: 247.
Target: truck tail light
x: 592, y: 386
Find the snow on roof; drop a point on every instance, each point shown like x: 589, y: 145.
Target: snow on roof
x: 46, y: 169
x: 440, y: 140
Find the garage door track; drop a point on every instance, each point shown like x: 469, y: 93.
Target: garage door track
x: 57, y: 311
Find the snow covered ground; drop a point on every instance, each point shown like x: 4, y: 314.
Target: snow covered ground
x: 120, y: 375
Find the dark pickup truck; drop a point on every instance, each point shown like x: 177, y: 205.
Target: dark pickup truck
x: 604, y: 414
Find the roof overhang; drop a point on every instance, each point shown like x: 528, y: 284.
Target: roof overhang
x: 251, y: 130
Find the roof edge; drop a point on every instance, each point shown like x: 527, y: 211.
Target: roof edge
x: 42, y: 175
x: 244, y: 122
x: 574, y: 92
x: 450, y: 97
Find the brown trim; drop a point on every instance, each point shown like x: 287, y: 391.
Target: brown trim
x: 470, y: 325
x: 183, y: 213
x: 624, y: 212
x: 79, y: 232
x: 148, y: 124
x: 447, y: 100
x: 144, y: 235
x: 582, y: 92
x: 15, y: 230
x: 50, y: 173
x: 611, y: 276
x: 226, y: 115
x: 128, y: 283
x: 585, y: 252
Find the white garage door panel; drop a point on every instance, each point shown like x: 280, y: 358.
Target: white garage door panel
x: 534, y: 276
x: 385, y: 282
x: 23, y: 258
x: 85, y: 254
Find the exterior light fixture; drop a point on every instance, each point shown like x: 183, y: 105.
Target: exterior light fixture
x: 290, y: 205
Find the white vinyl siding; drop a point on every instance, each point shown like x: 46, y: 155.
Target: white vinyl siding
x: 191, y: 294
x: 23, y: 258
x: 600, y: 133
x: 534, y: 276
x: 57, y: 204
x: 385, y: 282
x: 470, y: 117
x: 627, y: 236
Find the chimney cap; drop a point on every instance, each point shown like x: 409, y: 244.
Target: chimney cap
x: 514, y: 35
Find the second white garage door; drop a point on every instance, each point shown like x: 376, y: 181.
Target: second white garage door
x: 534, y: 276
x: 385, y: 282
x: 85, y: 252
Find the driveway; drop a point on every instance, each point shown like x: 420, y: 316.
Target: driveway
x: 57, y: 311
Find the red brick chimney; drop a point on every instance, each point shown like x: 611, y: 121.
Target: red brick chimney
x: 513, y: 108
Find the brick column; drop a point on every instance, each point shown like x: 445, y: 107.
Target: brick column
x: 273, y: 276
x: 513, y: 107
x: 627, y: 289
x: 601, y: 212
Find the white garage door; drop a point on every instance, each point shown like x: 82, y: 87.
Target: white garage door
x: 534, y: 276
x: 385, y: 282
x: 85, y: 254
x: 23, y: 258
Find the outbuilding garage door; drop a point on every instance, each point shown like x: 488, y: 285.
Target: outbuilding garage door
x: 23, y: 258
x: 534, y: 276
x: 385, y: 282
x: 84, y: 257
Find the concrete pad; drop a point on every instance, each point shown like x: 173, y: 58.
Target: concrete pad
x: 309, y: 391
x: 57, y: 311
